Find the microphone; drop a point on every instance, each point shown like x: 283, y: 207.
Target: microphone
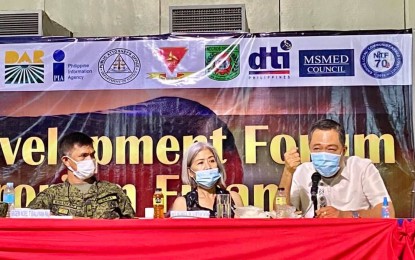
x: 315, y: 179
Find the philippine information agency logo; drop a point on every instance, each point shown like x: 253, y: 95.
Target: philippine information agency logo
x: 381, y: 60
x: 222, y: 61
x: 326, y: 63
x: 119, y: 66
x: 272, y: 61
x: 171, y: 56
x: 58, y: 66
x: 24, y: 67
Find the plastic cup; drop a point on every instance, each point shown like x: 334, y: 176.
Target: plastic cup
x: 223, y: 206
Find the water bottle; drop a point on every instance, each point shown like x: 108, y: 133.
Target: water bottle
x: 8, y: 196
x: 385, y: 208
x: 158, y: 204
x: 280, y: 203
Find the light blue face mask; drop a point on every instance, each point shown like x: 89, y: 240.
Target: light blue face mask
x: 207, y: 178
x: 327, y: 164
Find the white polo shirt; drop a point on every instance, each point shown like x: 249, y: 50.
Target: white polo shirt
x: 359, y: 186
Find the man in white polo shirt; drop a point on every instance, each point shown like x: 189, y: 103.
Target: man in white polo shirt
x: 349, y: 186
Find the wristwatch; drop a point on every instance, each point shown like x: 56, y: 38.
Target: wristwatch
x: 355, y: 214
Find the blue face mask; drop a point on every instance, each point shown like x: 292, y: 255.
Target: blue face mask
x: 327, y: 164
x: 207, y: 178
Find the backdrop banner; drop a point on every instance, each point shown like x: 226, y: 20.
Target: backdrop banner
x: 144, y: 100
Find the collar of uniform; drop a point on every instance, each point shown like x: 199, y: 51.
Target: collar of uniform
x: 93, y: 178
x: 94, y: 184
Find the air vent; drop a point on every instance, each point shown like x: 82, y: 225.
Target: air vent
x: 29, y: 23
x: 19, y: 24
x: 204, y: 18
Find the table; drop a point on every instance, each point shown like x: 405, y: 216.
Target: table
x: 206, y: 239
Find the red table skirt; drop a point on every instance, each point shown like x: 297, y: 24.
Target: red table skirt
x: 206, y: 239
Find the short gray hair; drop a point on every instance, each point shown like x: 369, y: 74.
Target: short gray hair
x: 190, y: 154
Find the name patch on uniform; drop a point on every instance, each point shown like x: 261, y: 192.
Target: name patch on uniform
x: 108, y: 198
x: 61, y: 203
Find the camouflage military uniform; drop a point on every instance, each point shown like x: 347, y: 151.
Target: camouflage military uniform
x: 102, y: 200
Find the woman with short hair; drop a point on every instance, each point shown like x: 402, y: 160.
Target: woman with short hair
x: 204, y: 172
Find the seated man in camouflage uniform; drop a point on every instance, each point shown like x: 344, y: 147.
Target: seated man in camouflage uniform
x: 82, y: 195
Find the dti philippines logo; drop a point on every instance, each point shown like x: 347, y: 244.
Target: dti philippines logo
x: 271, y: 62
x: 222, y: 61
x: 381, y: 60
x: 58, y: 66
x: 119, y: 66
x: 171, y: 56
x: 24, y: 67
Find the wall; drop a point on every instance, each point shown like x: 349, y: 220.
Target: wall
x: 143, y: 17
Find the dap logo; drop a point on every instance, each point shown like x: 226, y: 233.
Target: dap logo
x: 24, y: 67
x: 271, y: 61
x: 381, y: 60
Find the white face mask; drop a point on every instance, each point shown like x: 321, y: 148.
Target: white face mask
x: 85, y: 168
